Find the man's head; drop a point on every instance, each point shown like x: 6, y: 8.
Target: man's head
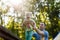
x: 42, y: 26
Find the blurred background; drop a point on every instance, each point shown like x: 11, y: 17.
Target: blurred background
x: 12, y: 14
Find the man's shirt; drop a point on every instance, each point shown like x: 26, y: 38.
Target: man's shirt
x: 39, y: 37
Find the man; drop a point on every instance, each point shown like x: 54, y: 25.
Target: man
x: 41, y: 34
x: 28, y: 24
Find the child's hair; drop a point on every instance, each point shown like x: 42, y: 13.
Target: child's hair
x: 28, y: 14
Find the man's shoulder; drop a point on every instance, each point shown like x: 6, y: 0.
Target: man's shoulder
x: 46, y: 33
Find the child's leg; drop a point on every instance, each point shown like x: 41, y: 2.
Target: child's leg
x: 30, y: 35
x: 26, y: 35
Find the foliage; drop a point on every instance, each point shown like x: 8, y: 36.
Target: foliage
x: 49, y: 14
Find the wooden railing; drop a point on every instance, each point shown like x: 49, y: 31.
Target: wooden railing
x: 7, y: 34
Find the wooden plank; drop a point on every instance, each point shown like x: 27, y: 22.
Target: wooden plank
x: 7, y: 34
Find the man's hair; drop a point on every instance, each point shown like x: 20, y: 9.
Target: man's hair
x: 43, y: 23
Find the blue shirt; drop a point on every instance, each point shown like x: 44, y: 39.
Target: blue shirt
x: 38, y: 36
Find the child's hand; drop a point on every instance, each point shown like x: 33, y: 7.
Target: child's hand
x: 34, y: 28
x: 28, y: 25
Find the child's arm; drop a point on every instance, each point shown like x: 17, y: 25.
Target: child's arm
x: 34, y: 24
x: 23, y: 24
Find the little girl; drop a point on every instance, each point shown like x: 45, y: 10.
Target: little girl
x: 28, y: 23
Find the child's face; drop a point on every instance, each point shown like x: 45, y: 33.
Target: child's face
x: 28, y: 15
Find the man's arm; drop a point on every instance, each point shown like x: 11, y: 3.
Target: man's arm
x: 39, y: 31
